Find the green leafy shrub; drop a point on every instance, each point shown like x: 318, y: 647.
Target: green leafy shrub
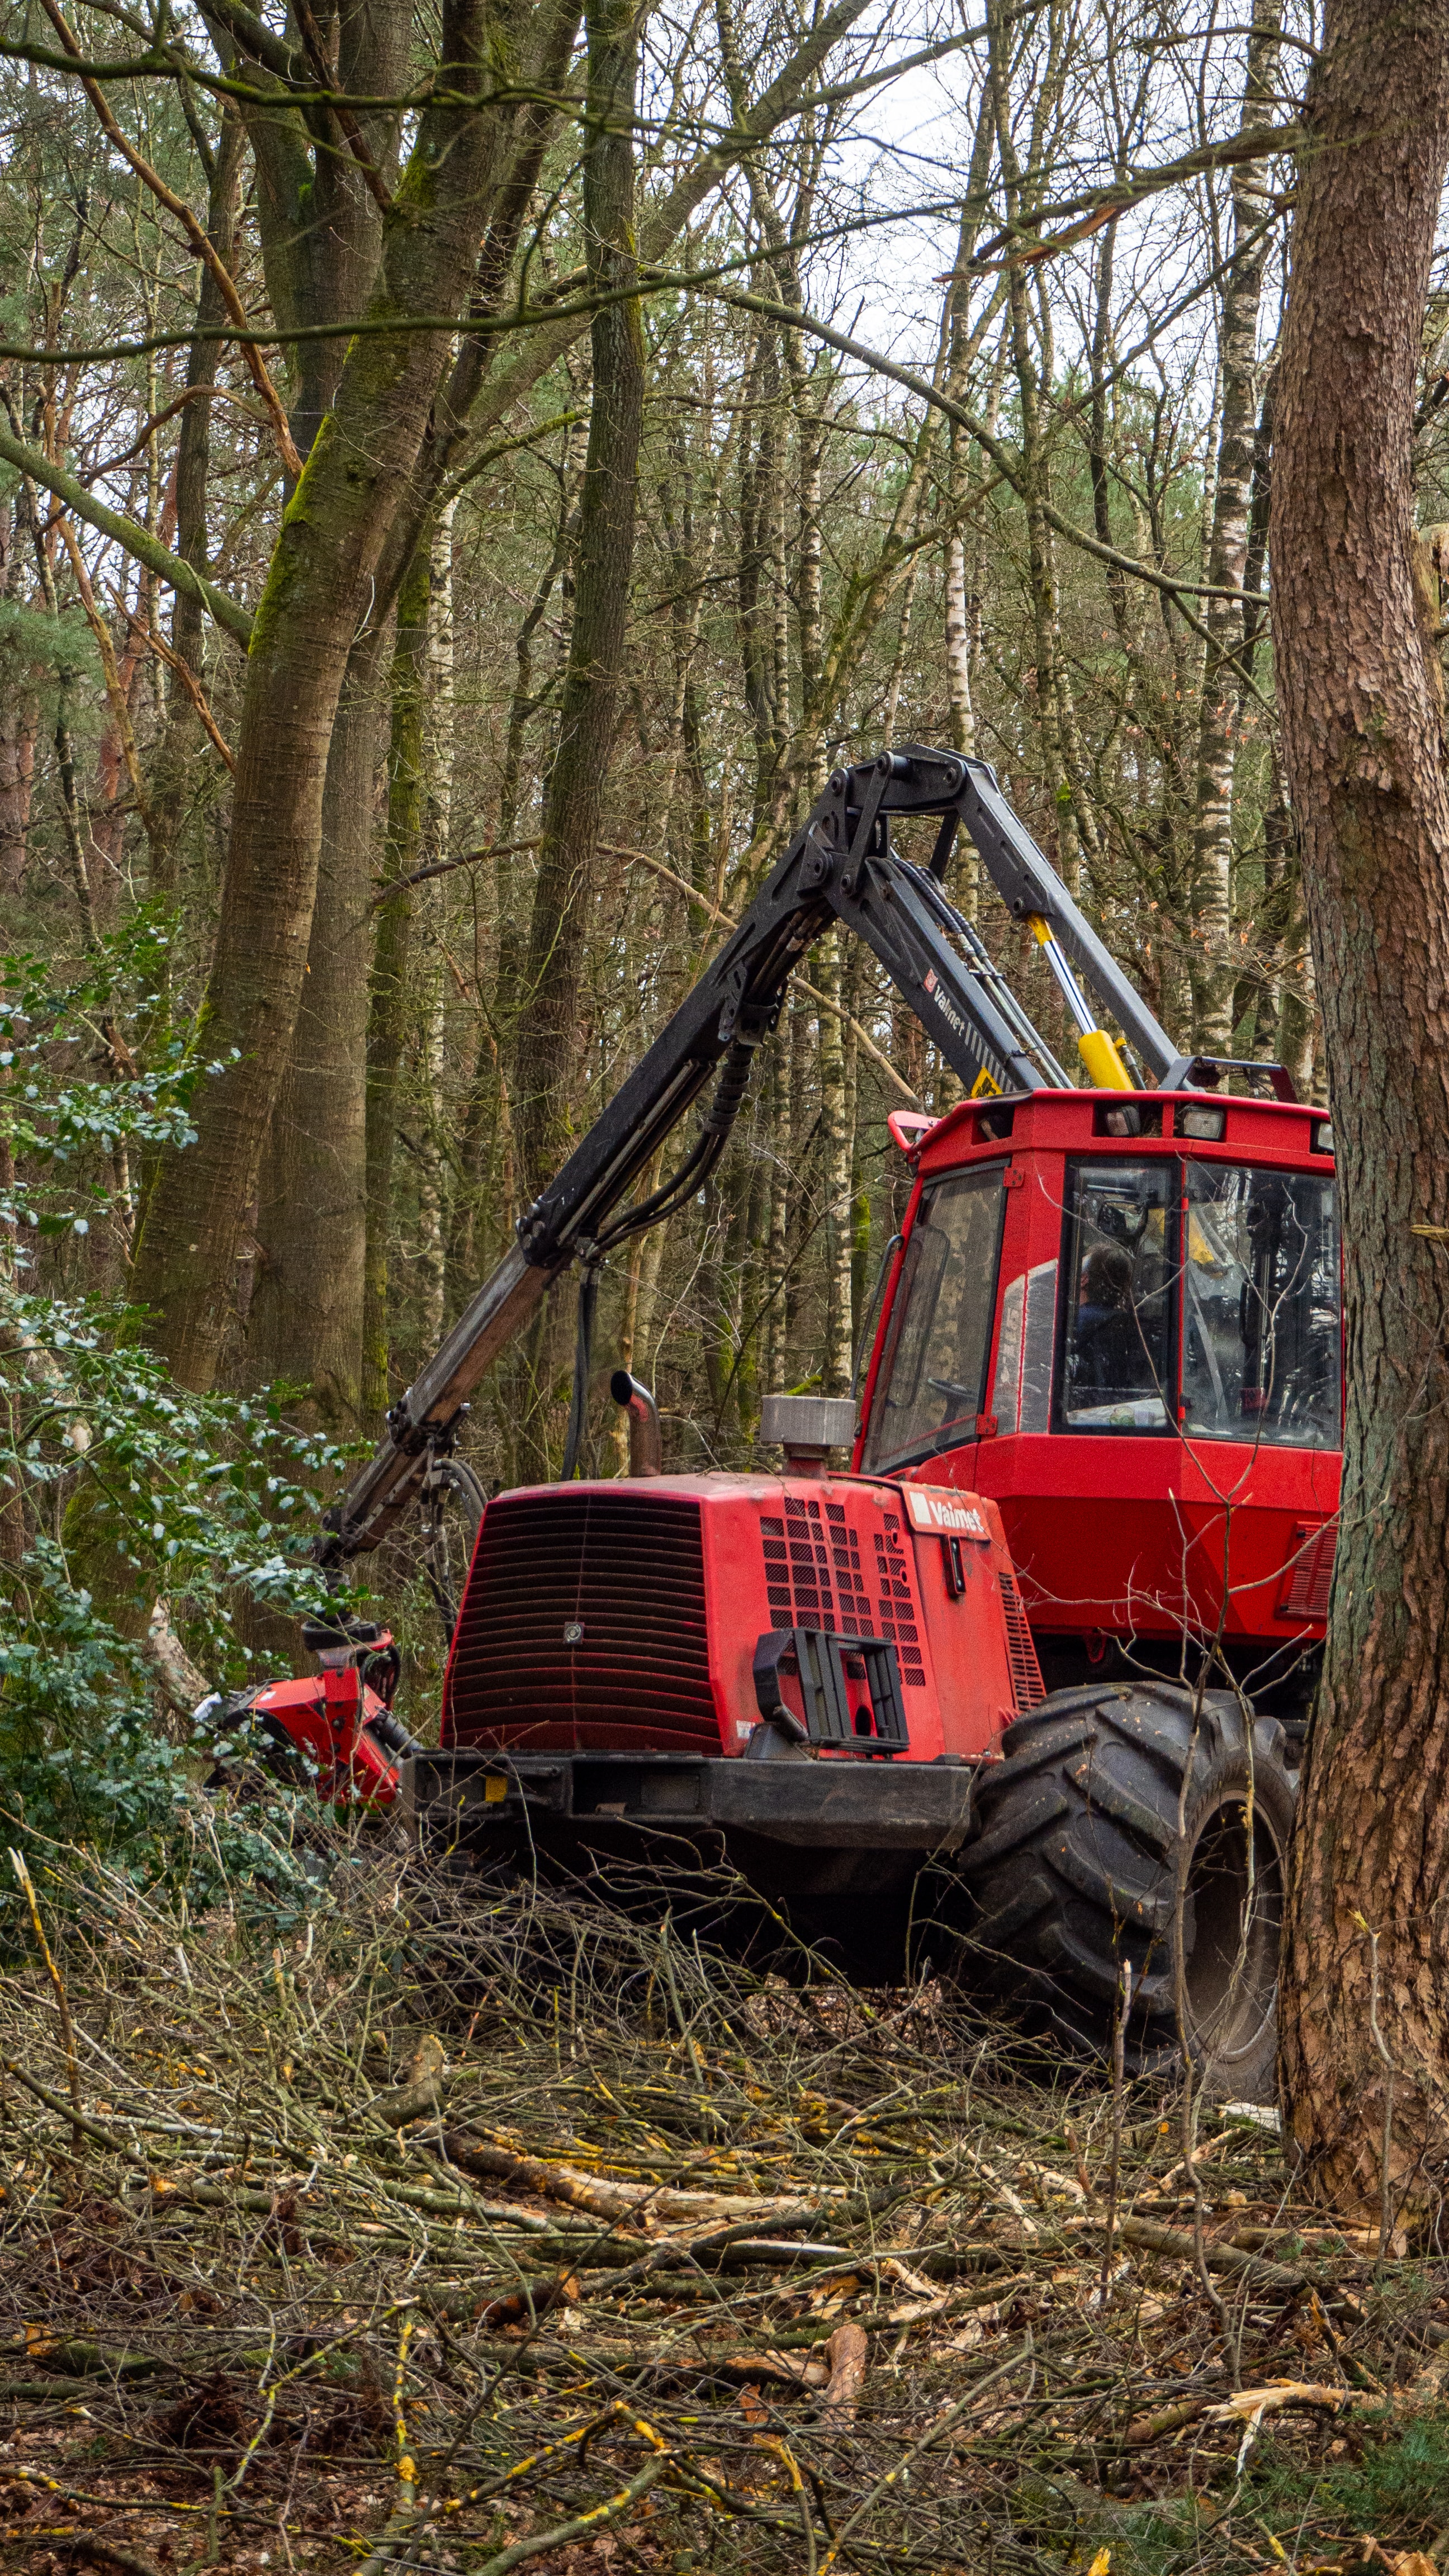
x: 116, y: 1486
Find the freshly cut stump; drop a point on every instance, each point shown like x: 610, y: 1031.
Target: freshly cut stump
x: 1110, y: 1806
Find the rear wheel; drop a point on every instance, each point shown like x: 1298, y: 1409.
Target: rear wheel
x: 1106, y: 1804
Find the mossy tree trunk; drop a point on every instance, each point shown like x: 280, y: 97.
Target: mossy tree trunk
x: 387, y: 1022
x: 548, y: 1051
x: 321, y: 233
x: 305, y: 1320
x: 318, y: 592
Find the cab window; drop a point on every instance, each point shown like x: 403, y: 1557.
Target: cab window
x: 1261, y: 1341
x: 1117, y: 1357
x: 931, y: 1383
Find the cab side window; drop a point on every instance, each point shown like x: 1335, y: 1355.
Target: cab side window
x: 1117, y: 1350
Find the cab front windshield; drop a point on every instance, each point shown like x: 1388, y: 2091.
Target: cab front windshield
x: 1117, y: 1360
x: 1205, y: 1300
x: 1197, y: 1299
x: 1261, y: 1334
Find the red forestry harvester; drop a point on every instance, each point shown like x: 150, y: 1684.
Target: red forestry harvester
x: 1097, y: 1440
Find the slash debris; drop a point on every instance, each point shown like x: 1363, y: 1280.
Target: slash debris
x: 475, y: 2229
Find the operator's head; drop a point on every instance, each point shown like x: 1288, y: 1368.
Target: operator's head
x: 1107, y: 1276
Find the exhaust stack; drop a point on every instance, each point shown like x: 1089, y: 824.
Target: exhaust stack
x: 646, y: 1444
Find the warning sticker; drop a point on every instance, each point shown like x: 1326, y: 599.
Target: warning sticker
x: 935, y: 1507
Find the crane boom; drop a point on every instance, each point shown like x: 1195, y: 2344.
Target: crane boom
x: 840, y: 865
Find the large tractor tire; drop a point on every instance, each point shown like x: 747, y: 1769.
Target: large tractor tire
x: 1108, y: 1802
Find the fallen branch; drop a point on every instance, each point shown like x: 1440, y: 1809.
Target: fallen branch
x: 847, y: 2353
x: 93, y: 2545
x: 1219, y: 2258
x: 597, y: 2193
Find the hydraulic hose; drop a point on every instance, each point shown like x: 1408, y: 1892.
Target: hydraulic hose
x: 701, y: 1159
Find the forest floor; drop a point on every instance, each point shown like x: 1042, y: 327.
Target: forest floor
x: 446, y: 2234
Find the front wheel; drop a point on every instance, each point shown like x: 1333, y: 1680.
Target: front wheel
x: 1112, y: 1809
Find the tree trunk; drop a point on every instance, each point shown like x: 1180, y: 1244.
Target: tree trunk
x: 19, y: 723
x: 1034, y: 485
x: 388, y: 1000
x: 836, y: 1161
x: 761, y: 478
x: 183, y: 736
x: 1222, y: 690
x: 305, y: 1322
x: 778, y: 1149
x: 317, y: 594
x: 433, y: 1163
x: 320, y: 225
x: 1366, y: 766
x: 573, y: 806
x: 958, y: 648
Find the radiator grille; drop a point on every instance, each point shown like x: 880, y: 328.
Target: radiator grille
x: 1027, y: 1685
x: 1304, y: 1594
x: 627, y: 1572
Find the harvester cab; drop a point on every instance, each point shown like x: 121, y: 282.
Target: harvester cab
x: 1096, y: 1447
x: 1130, y: 1342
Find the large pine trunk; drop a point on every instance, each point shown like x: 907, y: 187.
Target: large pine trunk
x: 1365, y: 2015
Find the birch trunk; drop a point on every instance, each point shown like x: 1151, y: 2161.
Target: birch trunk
x: 958, y: 648
x: 1239, y: 373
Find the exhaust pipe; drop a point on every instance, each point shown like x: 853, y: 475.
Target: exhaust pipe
x: 646, y: 1444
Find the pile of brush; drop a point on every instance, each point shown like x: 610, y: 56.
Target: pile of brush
x: 463, y: 2231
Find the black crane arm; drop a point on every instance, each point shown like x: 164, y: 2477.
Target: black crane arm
x: 839, y: 865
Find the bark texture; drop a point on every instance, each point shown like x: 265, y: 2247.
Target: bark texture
x: 319, y: 222
x: 321, y: 232
x: 1366, y: 1972
x: 1222, y: 692
x: 305, y: 1323
x: 319, y: 588
x: 19, y: 723
x: 387, y: 1020
x: 184, y: 737
x: 548, y: 1042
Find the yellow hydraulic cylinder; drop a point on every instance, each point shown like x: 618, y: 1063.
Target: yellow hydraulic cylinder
x: 1097, y: 1050
x: 1099, y: 1054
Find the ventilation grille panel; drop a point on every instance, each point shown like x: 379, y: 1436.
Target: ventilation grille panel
x: 822, y: 1571
x: 1306, y: 1585
x: 1027, y: 1686
x: 627, y: 1573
